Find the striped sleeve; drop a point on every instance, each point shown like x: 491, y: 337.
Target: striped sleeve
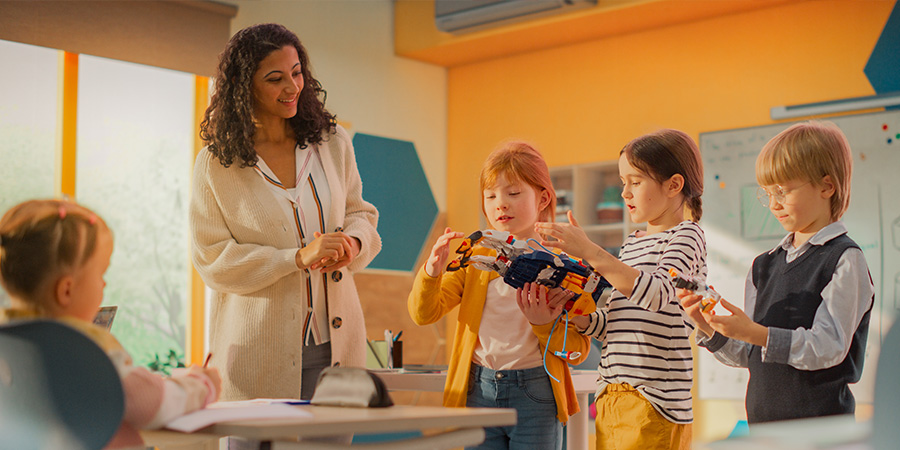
x: 679, y: 250
x: 597, y: 327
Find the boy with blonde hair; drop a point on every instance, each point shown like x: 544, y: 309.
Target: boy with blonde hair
x: 807, y: 302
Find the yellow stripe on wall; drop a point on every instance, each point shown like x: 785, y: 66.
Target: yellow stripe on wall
x: 67, y: 123
x: 197, y: 310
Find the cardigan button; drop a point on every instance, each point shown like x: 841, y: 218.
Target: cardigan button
x: 336, y: 276
x: 337, y: 364
x: 336, y: 322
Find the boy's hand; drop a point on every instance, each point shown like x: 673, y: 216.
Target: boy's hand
x: 738, y: 325
x: 541, y: 305
x: 439, y: 253
x: 691, y: 304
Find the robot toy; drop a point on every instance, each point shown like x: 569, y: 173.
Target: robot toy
x: 709, y: 296
x: 518, y: 263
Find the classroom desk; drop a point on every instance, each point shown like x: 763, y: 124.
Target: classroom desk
x: 329, y: 421
x: 577, y: 431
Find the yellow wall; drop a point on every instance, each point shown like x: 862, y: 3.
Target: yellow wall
x: 582, y: 103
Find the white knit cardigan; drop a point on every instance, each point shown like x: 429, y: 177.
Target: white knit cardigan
x: 244, y: 249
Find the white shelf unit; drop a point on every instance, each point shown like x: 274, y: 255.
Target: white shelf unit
x: 581, y: 188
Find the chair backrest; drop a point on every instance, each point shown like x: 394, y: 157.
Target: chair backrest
x: 58, y: 388
x: 886, y: 414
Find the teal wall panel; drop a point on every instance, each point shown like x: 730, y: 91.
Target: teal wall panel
x: 394, y: 181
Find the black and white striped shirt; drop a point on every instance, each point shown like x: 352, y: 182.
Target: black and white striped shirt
x: 646, y: 337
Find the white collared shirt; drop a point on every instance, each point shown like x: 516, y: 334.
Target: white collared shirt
x: 845, y: 299
x: 306, y: 205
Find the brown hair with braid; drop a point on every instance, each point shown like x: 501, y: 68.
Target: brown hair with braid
x: 227, y: 127
x: 667, y: 152
x: 41, y: 240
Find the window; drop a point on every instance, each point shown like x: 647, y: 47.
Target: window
x: 135, y: 150
x: 28, y: 124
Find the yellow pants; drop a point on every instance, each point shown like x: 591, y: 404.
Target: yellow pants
x: 626, y: 420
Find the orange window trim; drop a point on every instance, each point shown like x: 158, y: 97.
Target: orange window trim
x: 197, y: 310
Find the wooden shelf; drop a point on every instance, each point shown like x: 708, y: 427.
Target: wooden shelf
x: 583, y: 188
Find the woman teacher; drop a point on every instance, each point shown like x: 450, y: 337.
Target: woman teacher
x: 278, y: 222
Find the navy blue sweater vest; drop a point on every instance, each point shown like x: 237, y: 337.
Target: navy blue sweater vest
x: 788, y: 295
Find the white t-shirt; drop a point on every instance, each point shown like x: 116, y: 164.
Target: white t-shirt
x: 505, y: 338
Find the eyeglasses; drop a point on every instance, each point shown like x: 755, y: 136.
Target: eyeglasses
x: 765, y: 197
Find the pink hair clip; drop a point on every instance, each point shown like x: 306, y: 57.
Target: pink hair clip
x: 93, y: 219
x: 62, y: 212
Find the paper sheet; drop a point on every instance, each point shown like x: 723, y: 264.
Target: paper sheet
x: 233, y: 411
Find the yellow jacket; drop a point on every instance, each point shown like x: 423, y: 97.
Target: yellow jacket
x: 431, y: 298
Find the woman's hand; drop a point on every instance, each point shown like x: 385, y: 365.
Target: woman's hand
x: 541, y: 305
x: 326, y: 250
x: 569, y: 237
x: 350, y: 246
x: 691, y: 304
x: 437, y: 261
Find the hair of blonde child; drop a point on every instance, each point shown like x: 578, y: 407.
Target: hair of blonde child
x: 667, y: 152
x: 809, y: 151
x: 520, y: 162
x: 42, y: 240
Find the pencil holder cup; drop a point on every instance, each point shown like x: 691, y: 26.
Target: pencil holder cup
x: 377, y: 355
x: 397, y: 355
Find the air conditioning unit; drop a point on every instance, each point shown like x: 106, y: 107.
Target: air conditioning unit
x: 461, y: 16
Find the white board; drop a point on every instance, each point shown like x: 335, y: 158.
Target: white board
x: 738, y: 227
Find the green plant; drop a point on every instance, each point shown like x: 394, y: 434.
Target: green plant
x: 172, y: 361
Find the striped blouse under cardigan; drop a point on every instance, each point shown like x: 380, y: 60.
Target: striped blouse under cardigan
x: 645, y: 339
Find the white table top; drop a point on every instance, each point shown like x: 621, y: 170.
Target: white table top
x: 331, y: 421
x: 335, y: 421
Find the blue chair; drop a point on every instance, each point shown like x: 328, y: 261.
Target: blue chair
x: 58, y: 389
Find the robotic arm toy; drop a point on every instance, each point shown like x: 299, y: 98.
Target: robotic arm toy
x: 518, y: 264
x: 710, y: 296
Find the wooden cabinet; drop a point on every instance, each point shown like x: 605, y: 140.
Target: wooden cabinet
x: 593, y: 192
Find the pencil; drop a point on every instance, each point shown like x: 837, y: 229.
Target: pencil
x: 206, y: 362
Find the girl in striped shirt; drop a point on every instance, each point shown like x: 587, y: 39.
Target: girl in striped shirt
x: 644, y: 389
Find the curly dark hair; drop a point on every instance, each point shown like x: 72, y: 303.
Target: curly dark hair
x: 227, y: 127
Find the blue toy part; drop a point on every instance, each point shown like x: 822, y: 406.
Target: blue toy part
x: 553, y: 271
x: 518, y: 263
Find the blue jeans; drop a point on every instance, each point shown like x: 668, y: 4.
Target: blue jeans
x: 528, y: 391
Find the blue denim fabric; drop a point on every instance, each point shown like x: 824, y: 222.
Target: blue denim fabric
x: 529, y: 392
